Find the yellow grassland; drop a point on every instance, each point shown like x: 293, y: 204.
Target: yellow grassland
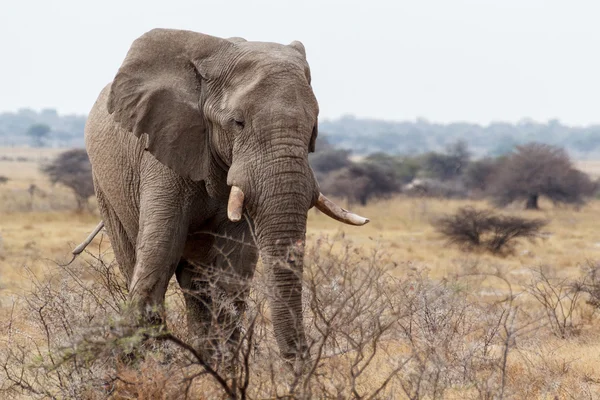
x: 36, y: 236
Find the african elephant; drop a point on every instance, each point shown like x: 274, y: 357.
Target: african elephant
x: 199, y: 149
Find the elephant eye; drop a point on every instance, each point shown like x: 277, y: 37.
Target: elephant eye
x: 239, y: 123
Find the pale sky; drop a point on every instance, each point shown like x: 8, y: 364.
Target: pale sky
x: 444, y: 60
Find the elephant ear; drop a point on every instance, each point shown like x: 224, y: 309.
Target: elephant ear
x: 236, y: 39
x: 313, y: 139
x: 156, y: 92
x: 299, y: 47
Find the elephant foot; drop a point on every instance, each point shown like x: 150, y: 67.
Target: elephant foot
x: 204, y: 349
x: 298, y: 364
x: 151, y: 317
x: 128, y: 358
x: 135, y: 333
x: 220, y: 356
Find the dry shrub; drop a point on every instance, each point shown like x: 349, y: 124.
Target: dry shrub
x: 40, y: 355
x: 370, y: 335
x: 542, y: 373
x: 473, y: 229
x: 590, y: 284
x: 460, y: 346
x: 559, y: 300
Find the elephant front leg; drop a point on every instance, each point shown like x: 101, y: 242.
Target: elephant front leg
x: 198, y: 302
x: 159, y: 247
x: 219, y: 280
x: 235, y: 258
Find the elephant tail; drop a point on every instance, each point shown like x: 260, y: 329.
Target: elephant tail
x: 79, y: 249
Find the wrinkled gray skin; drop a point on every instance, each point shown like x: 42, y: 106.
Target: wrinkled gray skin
x: 186, y: 117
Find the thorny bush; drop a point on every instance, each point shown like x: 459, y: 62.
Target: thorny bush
x: 473, y: 229
x: 371, y: 335
x: 559, y: 300
x: 590, y: 284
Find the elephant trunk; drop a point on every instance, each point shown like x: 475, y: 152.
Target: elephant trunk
x: 277, y: 193
x: 283, y: 260
x: 280, y: 223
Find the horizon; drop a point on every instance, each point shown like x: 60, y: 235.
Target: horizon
x: 353, y: 116
x: 395, y: 61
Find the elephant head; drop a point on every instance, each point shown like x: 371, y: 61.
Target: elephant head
x: 241, y: 117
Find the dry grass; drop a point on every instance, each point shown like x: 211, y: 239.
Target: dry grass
x: 20, y: 164
x: 403, y: 226
x: 35, y: 230
x: 541, y: 366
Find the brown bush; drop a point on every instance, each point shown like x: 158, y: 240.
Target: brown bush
x: 559, y: 300
x: 473, y: 229
x: 370, y: 334
x: 81, y: 341
x: 590, y: 284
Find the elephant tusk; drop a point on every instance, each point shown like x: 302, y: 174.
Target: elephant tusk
x: 235, y: 204
x: 336, y: 212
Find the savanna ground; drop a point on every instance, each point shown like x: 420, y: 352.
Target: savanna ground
x: 40, y: 229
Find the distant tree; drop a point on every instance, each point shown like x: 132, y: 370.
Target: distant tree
x: 73, y: 169
x: 361, y: 182
x: 38, y: 133
x: 326, y: 161
x: 576, y: 181
x: 347, y: 184
x: 3, y: 179
x: 478, y: 175
x: 535, y: 170
x: 448, y: 165
x: 404, y: 168
x: 322, y: 143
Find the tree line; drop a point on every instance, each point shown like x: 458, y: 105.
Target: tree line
x: 526, y: 174
x: 363, y: 136
x: 45, y: 128
x: 367, y: 136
